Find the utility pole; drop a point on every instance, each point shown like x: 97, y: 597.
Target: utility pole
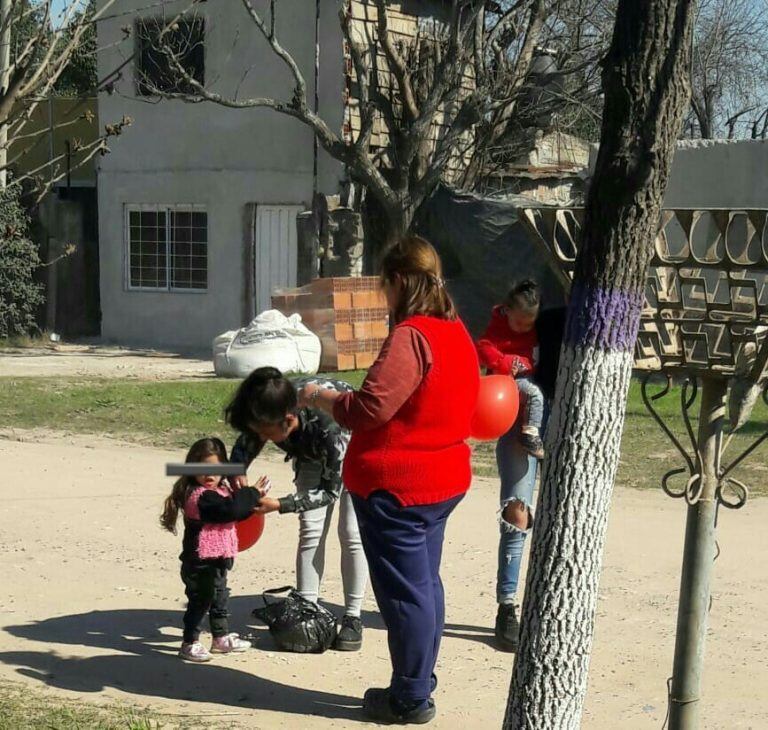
x: 51, y: 294
x: 698, y: 556
x: 5, y: 69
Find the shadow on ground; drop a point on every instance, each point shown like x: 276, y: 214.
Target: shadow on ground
x: 147, y: 664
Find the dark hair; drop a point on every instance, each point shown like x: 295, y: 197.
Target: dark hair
x: 414, y: 263
x: 265, y: 396
x: 199, y: 451
x: 524, y: 295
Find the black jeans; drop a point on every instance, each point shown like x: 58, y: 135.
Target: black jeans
x: 206, y: 588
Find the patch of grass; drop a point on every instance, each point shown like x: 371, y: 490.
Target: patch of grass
x: 173, y: 414
x: 21, y: 341
x: 647, y: 454
x: 160, y: 413
x: 166, y: 414
x: 24, y: 709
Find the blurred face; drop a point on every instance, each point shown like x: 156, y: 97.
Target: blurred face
x: 209, y: 481
x: 276, y: 432
x: 521, y: 320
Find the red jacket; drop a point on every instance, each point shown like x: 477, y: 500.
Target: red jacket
x: 420, y: 455
x: 500, y: 348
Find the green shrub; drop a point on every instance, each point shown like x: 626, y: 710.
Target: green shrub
x: 20, y: 294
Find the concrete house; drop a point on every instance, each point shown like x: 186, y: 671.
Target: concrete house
x: 197, y: 202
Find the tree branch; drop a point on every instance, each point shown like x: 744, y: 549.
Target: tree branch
x: 478, y: 50
x: 450, y: 69
x: 367, y: 114
x: 467, y: 116
x: 731, y: 121
x: 352, y: 155
x: 300, y: 92
x: 395, y: 61
x: 85, y: 154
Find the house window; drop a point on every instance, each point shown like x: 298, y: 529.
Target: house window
x: 156, y: 57
x: 167, y: 248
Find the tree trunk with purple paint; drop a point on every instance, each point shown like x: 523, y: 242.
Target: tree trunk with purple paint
x: 646, y: 83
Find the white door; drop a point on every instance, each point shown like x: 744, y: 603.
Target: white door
x: 276, y: 251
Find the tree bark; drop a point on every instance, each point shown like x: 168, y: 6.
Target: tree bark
x: 646, y: 83
x: 5, y: 67
x: 702, y: 117
x: 382, y: 226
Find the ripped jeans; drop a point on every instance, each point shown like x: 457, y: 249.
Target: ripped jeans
x: 517, y: 470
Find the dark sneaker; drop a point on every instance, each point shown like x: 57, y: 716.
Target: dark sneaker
x: 507, y: 627
x: 533, y: 444
x: 350, y: 636
x: 379, y: 706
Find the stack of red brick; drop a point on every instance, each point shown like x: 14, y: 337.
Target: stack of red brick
x: 349, y: 315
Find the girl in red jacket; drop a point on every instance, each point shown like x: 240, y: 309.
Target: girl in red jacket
x: 510, y: 346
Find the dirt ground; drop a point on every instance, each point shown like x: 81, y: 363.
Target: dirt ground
x: 92, y: 605
x: 100, y: 361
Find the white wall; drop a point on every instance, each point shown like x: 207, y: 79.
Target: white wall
x: 203, y: 154
x: 716, y: 174
x: 719, y: 174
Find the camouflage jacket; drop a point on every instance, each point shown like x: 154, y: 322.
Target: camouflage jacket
x: 316, y: 448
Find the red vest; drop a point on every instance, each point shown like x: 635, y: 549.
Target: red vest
x: 420, y: 455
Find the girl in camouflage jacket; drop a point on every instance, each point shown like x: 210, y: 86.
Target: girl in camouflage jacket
x: 265, y: 409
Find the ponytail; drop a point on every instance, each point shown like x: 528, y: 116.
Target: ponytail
x: 173, y: 504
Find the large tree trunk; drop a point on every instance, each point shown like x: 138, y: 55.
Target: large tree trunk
x: 646, y: 82
x: 382, y: 226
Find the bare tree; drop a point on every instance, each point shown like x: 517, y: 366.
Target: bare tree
x: 647, y: 91
x: 729, y: 65
x: 37, y: 44
x: 560, y: 91
x: 437, y: 95
x: 730, y: 69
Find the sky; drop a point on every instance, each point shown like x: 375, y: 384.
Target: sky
x: 57, y: 8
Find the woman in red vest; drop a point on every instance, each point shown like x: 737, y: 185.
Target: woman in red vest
x: 408, y: 466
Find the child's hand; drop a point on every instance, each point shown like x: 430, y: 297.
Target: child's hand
x: 263, y: 485
x: 238, y: 482
x: 267, y: 505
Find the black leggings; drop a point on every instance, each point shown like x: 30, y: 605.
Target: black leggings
x: 207, y: 592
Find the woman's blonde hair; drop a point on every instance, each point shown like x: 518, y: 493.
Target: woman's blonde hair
x: 415, y: 265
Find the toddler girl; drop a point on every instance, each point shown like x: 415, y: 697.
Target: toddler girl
x: 210, y: 508
x: 510, y: 347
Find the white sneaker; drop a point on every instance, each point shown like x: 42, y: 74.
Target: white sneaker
x: 229, y: 644
x: 195, y: 652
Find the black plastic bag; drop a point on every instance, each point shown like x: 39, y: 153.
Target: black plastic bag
x: 295, y: 623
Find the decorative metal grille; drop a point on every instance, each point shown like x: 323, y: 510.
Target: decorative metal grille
x: 706, y: 305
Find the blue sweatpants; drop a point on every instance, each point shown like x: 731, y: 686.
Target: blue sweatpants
x: 404, y: 546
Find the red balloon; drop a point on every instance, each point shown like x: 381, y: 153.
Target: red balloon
x: 497, y: 405
x: 249, y: 531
